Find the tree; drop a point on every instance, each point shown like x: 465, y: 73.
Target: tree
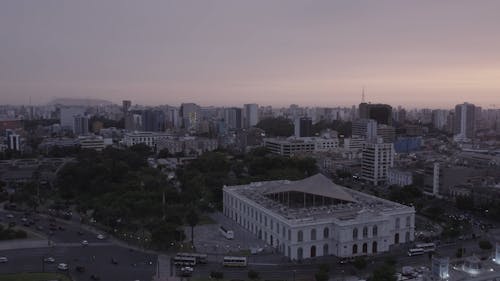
x: 276, y: 127
x: 360, y: 263
x: 252, y: 274
x: 192, y: 219
x: 217, y: 275
x: 485, y: 245
x: 321, y: 276
x: 384, y: 273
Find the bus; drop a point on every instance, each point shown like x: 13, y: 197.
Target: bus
x: 235, y: 261
x: 427, y: 247
x: 229, y: 234
x: 415, y: 252
x: 184, y: 261
x: 200, y: 258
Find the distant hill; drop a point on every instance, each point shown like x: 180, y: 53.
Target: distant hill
x: 79, y: 102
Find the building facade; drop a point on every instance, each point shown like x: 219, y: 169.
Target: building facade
x: 376, y: 160
x: 315, y: 217
x: 293, y: 146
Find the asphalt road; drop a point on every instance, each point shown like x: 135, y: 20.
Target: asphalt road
x: 95, y: 258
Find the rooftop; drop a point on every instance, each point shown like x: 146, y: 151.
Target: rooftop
x: 315, y: 198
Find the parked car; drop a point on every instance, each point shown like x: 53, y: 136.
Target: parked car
x: 3, y: 259
x: 63, y: 266
x: 49, y: 260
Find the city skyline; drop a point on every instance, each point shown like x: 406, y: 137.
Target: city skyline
x: 320, y: 53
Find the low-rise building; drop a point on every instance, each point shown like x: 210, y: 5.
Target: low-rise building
x: 292, y: 146
x: 399, y: 177
x: 315, y: 217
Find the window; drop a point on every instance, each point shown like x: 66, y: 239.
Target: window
x: 313, y: 252
x: 355, y: 233
x: 396, y: 238
x: 407, y: 237
x: 313, y: 234
x: 354, y: 249
x: 300, y: 236
x: 408, y: 220
x: 325, y: 250
x: 289, y: 235
x: 375, y: 230
x: 365, y: 232
x: 397, y: 223
x: 300, y: 253
x: 278, y: 228
x: 374, y: 247
x: 326, y: 232
x: 365, y: 248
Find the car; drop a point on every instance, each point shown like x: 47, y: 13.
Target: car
x: 80, y: 268
x: 9, y: 216
x: 85, y: 243
x: 187, y: 271
x: 63, y: 266
x: 100, y: 236
x: 3, y: 259
x: 49, y: 260
x: 24, y: 219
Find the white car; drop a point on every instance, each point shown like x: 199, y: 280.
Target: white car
x: 85, y: 243
x: 63, y: 266
x: 100, y: 236
x: 49, y: 260
x: 10, y: 216
x: 3, y: 259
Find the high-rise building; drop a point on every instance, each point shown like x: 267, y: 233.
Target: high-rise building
x: 67, y: 115
x: 233, y: 118
x: 81, y: 125
x: 251, y: 115
x: 382, y: 113
x: 465, y: 122
x: 303, y: 127
x: 377, y: 158
x: 366, y: 128
x: 153, y: 121
x: 14, y: 142
x: 439, y: 118
x: 189, y: 114
x: 126, y: 104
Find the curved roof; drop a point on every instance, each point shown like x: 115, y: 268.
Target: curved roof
x: 317, y: 185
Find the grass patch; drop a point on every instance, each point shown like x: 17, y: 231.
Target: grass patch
x: 34, y: 277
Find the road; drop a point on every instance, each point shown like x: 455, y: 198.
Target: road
x: 67, y: 248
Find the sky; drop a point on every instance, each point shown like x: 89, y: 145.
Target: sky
x: 423, y: 53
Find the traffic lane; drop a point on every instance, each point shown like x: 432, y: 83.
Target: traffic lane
x: 132, y: 265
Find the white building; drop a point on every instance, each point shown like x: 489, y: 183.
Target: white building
x: 376, y: 160
x: 399, y: 177
x: 187, y: 145
x: 94, y: 142
x: 315, y: 217
x: 14, y: 142
x: 81, y: 125
x: 148, y: 138
x: 251, y: 115
x: 293, y: 146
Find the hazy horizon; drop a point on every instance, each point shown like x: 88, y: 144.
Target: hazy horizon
x: 311, y: 53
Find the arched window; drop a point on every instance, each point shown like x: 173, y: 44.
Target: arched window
x: 365, y: 232
x: 375, y: 231
x: 396, y: 238
x: 313, y: 234
x: 325, y: 250
x: 313, y: 251
x: 397, y: 223
x: 365, y: 248
x: 300, y: 253
x: 374, y: 247
x: 407, y: 237
x: 300, y: 236
x: 326, y: 232
x: 355, y: 233
x: 354, y: 249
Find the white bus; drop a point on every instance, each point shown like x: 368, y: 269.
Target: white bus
x: 415, y: 252
x: 184, y: 261
x: 427, y: 247
x: 235, y: 261
x: 229, y: 234
x: 200, y: 258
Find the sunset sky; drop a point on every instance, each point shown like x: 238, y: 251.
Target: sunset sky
x: 411, y: 53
